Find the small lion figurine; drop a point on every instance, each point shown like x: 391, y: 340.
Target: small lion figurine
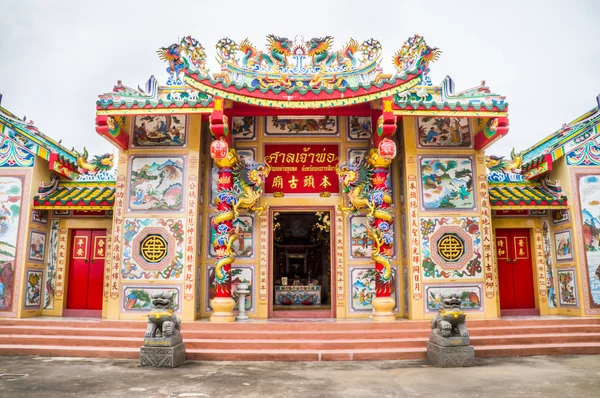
x: 450, y: 320
x: 162, y: 319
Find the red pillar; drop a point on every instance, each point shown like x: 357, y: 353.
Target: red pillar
x: 380, y: 159
x: 225, y: 159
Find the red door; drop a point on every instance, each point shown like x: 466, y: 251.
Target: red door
x: 86, y: 272
x: 515, y: 273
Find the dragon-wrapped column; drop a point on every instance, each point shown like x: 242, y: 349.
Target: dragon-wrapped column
x: 381, y: 219
x: 225, y: 159
x: 381, y: 233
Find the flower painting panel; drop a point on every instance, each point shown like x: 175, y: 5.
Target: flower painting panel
x: 447, y: 183
x: 33, y: 289
x: 159, y: 131
x: 470, y: 296
x: 135, y: 232
x: 563, y: 245
x: 443, y: 132
x: 317, y: 125
x: 359, y: 128
x: 156, y: 183
x: 362, y: 290
x: 239, y: 274
x: 442, y: 237
x: 244, y: 127
x: 139, y: 298
x: 11, y: 190
x: 37, y: 245
x: 51, y: 261
x: 567, y: 287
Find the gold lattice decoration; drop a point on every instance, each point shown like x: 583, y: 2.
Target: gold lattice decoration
x: 153, y: 248
x: 450, y: 247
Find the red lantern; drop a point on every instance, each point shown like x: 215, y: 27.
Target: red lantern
x: 218, y: 149
x: 387, y: 149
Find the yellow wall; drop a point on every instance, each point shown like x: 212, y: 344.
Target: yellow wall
x: 415, y: 212
x: 113, y: 304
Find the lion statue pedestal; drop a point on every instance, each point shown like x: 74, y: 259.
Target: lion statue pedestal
x: 163, y: 344
x: 449, y: 344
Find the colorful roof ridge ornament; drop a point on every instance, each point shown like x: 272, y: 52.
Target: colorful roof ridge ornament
x: 296, y: 73
x: 539, y: 158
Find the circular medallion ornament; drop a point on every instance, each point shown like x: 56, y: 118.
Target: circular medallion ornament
x: 153, y: 248
x: 450, y: 247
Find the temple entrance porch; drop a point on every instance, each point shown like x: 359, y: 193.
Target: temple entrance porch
x: 301, y: 285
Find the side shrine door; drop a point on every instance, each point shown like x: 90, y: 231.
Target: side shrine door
x: 515, y: 272
x: 86, y: 270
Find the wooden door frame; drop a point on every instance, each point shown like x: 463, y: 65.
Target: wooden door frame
x: 534, y: 224
x: 333, y: 279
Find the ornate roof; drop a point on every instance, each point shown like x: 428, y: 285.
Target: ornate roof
x: 539, y: 158
x: 298, y: 73
x: 77, y: 195
x: 31, y: 140
x: 511, y: 191
x: 21, y: 141
x: 477, y: 100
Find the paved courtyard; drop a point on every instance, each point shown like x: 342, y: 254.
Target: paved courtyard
x: 557, y: 376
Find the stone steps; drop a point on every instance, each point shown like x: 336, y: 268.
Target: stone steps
x: 299, y: 340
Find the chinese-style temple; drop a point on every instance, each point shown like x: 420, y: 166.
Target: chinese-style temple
x: 332, y: 188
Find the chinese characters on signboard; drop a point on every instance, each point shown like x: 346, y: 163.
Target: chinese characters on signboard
x: 298, y: 168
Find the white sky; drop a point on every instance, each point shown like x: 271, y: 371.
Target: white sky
x: 58, y: 56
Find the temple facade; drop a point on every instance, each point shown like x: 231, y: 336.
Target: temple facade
x: 332, y: 188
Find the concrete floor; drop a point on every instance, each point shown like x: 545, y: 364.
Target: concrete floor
x: 556, y: 376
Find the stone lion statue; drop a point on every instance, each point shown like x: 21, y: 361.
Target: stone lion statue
x: 162, y: 319
x: 450, y: 320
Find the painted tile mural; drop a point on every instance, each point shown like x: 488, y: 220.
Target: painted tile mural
x: 10, y: 208
x: 443, y: 132
x: 138, y: 298
x: 447, y: 183
x: 159, y: 131
x: 51, y: 265
x: 566, y: 286
x: 172, y: 270
x: 156, y: 183
x: 362, y: 290
x: 563, y: 245
x: 318, y: 125
x: 589, y: 216
x: 37, y: 245
x: 33, y: 289
x: 359, y: 128
x: 470, y: 296
x: 440, y: 239
x: 238, y: 274
x: 244, y: 127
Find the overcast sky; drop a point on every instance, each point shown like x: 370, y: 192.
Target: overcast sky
x: 58, y: 56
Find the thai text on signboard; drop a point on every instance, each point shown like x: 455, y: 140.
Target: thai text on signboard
x: 302, y: 168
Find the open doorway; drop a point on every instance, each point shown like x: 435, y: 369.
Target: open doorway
x: 301, y: 264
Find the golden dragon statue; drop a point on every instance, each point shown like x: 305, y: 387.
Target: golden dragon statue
x: 377, y: 256
x: 228, y: 256
x: 356, y: 179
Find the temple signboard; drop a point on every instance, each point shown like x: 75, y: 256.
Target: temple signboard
x: 302, y: 168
